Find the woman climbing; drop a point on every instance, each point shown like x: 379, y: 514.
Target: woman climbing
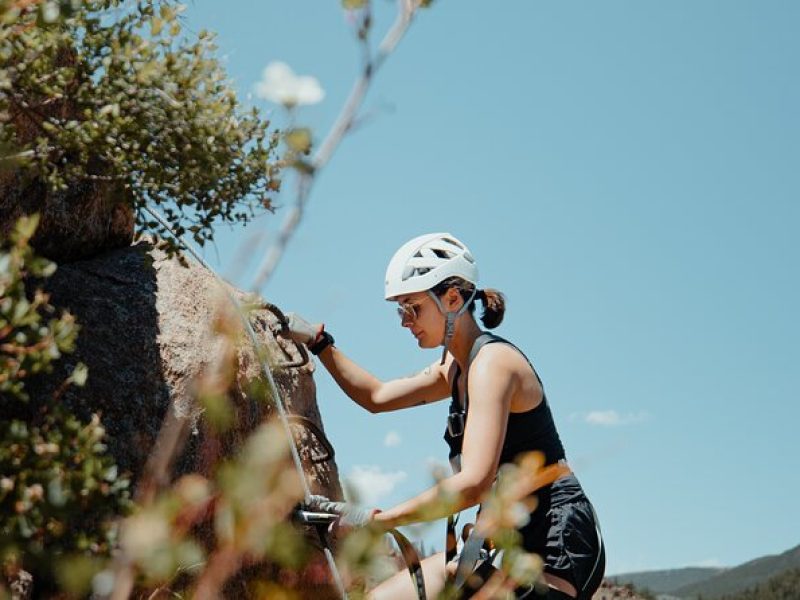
x: 498, y: 411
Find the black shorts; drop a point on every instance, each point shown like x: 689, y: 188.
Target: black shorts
x: 563, y: 530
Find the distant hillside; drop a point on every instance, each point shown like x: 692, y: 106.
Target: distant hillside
x: 785, y: 586
x: 738, y: 579
x: 667, y: 581
x: 611, y: 591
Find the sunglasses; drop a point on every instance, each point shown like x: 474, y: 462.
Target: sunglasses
x: 408, y: 311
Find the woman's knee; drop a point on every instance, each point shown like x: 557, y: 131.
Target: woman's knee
x: 401, y: 585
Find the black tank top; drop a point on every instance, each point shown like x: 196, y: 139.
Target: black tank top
x: 533, y: 429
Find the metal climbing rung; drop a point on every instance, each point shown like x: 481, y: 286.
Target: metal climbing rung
x: 407, y: 550
x: 284, y: 329
x: 314, y: 518
x: 318, y: 434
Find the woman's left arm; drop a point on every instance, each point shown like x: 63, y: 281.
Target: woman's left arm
x: 491, y: 385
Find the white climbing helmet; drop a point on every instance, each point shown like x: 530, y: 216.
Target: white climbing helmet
x: 427, y: 260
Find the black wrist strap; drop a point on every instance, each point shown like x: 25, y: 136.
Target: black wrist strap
x: 325, y: 340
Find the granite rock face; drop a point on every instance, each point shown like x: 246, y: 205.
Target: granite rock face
x: 147, y: 338
x: 80, y: 222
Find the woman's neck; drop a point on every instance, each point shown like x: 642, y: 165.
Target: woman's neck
x: 467, y: 331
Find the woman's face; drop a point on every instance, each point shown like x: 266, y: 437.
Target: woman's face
x: 420, y: 314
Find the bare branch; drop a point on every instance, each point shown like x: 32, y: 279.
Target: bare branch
x: 20, y: 155
x: 405, y: 14
x: 343, y: 124
x: 156, y: 476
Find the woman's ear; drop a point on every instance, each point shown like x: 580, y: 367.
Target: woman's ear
x: 452, y: 299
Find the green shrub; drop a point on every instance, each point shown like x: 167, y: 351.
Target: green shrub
x: 112, y: 92
x: 60, y: 493
x: 32, y: 335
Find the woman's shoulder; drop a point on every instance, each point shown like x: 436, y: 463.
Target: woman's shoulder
x: 504, y: 365
x: 499, y: 356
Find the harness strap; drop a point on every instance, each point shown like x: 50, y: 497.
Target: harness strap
x: 411, y: 558
x: 450, y: 319
x: 471, y: 551
x: 470, y: 555
x: 451, y: 541
x: 480, y: 342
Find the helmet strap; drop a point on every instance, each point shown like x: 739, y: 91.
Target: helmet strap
x: 450, y: 320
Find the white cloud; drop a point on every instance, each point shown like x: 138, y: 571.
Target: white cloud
x: 392, y: 439
x: 371, y: 483
x: 280, y: 85
x: 611, y: 418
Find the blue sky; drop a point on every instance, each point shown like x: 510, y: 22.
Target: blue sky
x: 628, y: 173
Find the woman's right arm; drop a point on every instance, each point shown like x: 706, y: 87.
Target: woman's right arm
x: 375, y: 395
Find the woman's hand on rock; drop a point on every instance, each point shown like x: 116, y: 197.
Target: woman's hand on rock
x: 301, y: 330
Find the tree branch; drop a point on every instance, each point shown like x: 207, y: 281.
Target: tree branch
x: 344, y: 122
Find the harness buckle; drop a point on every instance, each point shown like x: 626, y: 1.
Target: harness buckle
x: 456, y: 422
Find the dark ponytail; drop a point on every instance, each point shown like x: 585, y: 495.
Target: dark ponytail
x: 494, y: 307
x: 494, y: 302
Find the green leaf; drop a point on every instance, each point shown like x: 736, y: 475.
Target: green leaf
x: 47, y: 269
x: 299, y: 139
x: 79, y: 375
x: 218, y: 410
x: 55, y: 492
x: 26, y: 226
x: 354, y: 4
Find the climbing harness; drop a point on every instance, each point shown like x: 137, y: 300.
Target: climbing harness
x: 475, y: 548
x: 477, y: 554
